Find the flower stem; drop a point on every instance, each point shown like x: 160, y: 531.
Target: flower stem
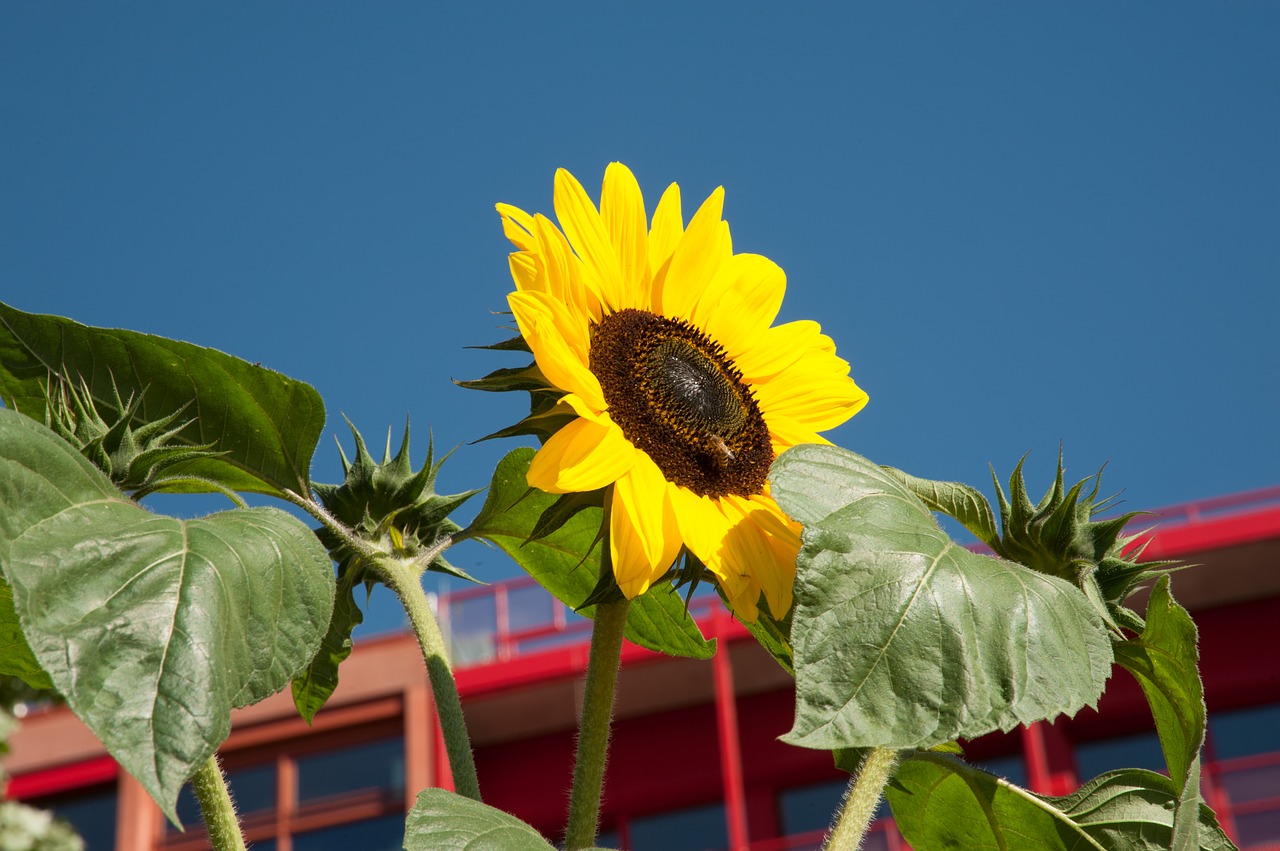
x: 407, y: 583
x: 219, y: 813
x: 862, y: 799
x: 593, y: 730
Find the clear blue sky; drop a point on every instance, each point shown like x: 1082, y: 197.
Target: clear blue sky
x: 1022, y: 223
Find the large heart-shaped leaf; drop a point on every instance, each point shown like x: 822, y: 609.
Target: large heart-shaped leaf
x: 904, y: 639
x: 566, y: 562
x: 266, y: 423
x: 940, y: 802
x: 153, y: 628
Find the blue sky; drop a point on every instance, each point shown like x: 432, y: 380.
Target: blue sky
x: 1021, y: 223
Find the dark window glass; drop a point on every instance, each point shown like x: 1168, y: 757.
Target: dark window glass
x: 1138, y: 751
x: 253, y: 789
x: 1012, y: 768
x: 1251, y: 784
x: 1245, y: 732
x: 91, y: 812
x: 263, y: 845
x: 694, y: 829
x: 608, y: 839
x: 379, y: 834
x: 814, y: 807
x: 1258, y: 829
x: 376, y: 765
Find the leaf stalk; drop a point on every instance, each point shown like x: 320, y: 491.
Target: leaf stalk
x: 210, y: 787
x: 865, y: 790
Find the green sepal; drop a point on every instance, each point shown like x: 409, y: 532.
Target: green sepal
x: 390, y: 505
x: 1059, y: 536
x: 134, y: 457
x: 263, y: 425
x: 566, y: 506
x: 528, y: 378
x: 512, y: 344
x: 541, y: 424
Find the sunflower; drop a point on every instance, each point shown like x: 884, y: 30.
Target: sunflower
x: 678, y: 391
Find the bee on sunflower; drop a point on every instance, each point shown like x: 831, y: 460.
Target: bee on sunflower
x: 671, y: 390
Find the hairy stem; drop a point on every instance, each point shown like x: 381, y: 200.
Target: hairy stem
x: 219, y: 813
x: 407, y: 583
x: 593, y: 730
x: 860, y: 803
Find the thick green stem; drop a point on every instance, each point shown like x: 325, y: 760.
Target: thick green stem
x: 860, y: 804
x: 216, y: 807
x: 407, y: 583
x: 593, y: 731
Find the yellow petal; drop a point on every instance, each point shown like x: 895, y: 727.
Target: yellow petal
x: 524, y: 269
x: 563, y: 274
x: 560, y: 344
x: 816, y: 392
x: 694, y: 262
x: 769, y: 558
x: 741, y: 302
x: 517, y: 225
x: 668, y: 227
x: 644, y: 538
x: 703, y: 525
x: 582, y: 456
x: 622, y: 209
x: 778, y: 347
x: 586, y: 231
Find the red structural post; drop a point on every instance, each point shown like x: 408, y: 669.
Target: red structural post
x: 735, y: 797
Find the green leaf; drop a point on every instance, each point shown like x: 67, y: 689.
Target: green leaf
x: 266, y: 423
x: 153, y: 628
x: 315, y: 685
x: 566, y: 561
x: 443, y: 821
x: 904, y: 639
x: 941, y: 802
x: 1164, y: 661
x: 16, y: 657
x: 965, y: 504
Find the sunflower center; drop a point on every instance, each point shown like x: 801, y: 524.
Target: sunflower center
x: 678, y: 397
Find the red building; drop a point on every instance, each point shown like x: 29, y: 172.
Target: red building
x: 695, y: 762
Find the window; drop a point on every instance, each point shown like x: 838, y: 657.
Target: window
x: 92, y: 812
x: 341, y: 797
x: 362, y: 768
x: 694, y: 829
x: 252, y: 788
x: 379, y: 834
x: 1245, y: 744
x: 1141, y: 750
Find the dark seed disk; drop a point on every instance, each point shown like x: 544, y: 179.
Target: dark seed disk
x: 678, y: 397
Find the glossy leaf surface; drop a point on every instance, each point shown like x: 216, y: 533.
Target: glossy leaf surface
x: 153, y: 628
x: 267, y: 424
x: 904, y: 639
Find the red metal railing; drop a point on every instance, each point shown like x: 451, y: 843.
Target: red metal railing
x: 506, y: 620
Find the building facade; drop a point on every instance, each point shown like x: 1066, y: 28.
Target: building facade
x: 695, y: 763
